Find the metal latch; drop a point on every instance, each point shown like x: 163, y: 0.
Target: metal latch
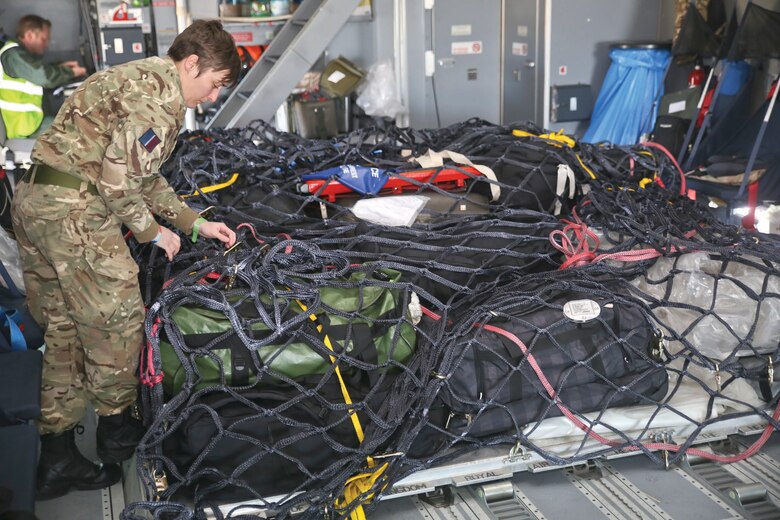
x: 160, y: 482
x: 517, y: 452
x: 664, y: 437
x: 657, y: 346
x: 587, y: 469
x: 440, y: 497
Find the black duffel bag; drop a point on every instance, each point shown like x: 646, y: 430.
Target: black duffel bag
x: 594, y: 348
x: 466, y: 253
x: 18, y: 463
x: 20, y: 386
x: 267, y: 441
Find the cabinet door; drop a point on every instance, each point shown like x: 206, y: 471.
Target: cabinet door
x: 467, y: 45
x: 523, y: 66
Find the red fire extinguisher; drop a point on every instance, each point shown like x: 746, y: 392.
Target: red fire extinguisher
x: 696, y: 77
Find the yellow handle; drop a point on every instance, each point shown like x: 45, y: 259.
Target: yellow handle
x: 213, y: 187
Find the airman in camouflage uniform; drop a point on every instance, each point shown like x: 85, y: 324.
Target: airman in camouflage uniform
x: 94, y: 170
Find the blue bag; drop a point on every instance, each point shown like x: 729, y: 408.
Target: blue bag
x: 18, y: 329
x: 625, y: 108
x: 361, y: 179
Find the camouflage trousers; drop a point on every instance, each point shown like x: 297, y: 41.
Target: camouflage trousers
x: 82, y: 287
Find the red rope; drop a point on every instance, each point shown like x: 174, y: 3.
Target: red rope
x: 579, y: 244
x: 574, y: 241
x: 203, y: 281
x: 683, y: 189
x: 289, y: 248
x: 252, y: 230
x: 753, y: 449
x: 148, y: 376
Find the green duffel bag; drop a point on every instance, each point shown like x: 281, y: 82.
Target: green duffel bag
x: 373, y: 315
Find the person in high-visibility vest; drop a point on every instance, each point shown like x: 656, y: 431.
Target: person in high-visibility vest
x: 24, y: 76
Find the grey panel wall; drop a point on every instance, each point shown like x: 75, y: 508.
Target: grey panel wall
x: 366, y: 42
x: 64, y: 16
x: 581, y: 34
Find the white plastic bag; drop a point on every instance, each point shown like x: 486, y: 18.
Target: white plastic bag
x: 715, y: 323
x: 377, y: 95
x: 401, y: 210
x: 732, y: 311
x: 9, y: 255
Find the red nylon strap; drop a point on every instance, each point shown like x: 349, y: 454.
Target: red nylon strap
x: 148, y: 376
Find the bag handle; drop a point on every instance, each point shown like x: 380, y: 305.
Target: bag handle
x: 10, y: 319
x: 9, y: 283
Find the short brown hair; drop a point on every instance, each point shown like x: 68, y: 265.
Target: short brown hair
x: 31, y: 22
x: 213, y: 46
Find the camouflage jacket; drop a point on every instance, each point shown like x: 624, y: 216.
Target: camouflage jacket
x: 19, y: 63
x: 115, y: 131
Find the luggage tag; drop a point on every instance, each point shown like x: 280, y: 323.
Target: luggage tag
x: 581, y: 311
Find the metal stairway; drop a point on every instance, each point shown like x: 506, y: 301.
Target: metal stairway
x: 290, y: 55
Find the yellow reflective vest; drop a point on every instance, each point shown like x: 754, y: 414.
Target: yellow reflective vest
x: 21, y: 102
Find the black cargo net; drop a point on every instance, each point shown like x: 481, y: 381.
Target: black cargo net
x: 566, y: 301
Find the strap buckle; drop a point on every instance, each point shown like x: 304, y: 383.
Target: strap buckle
x: 160, y: 482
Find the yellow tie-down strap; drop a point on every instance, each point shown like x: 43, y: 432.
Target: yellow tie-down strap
x: 213, y: 187
x: 557, y: 138
x: 357, y: 485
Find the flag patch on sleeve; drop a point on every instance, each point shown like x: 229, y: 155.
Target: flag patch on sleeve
x: 149, y: 140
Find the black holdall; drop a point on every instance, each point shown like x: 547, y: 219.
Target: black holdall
x: 228, y: 440
x: 18, y: 329
x: 18, y: 465
x: 669, y: 131
x: 595, y: 350
x: 468, y: 253
x: 20, y: 368
x: 20, y: 387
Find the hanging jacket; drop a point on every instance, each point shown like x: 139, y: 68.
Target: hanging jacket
x: 21, y: 102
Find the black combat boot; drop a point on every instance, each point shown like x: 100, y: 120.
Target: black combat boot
x: 62, y: 468
x: 117, y: 436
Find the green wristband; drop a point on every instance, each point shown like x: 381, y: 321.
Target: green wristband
x: 196, y: 228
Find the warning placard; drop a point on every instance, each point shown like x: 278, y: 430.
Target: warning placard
x: 472, y: 47
x: 519, y: 48
x: 242, y: 37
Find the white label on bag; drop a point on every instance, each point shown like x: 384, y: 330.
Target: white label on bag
x: 581, y: 310
x: 336, y: 76
x: 677, y: 106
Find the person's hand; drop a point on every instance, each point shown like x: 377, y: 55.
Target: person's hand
x: 219, y: 231
x: 170, y: 242
x: 77, y: 69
